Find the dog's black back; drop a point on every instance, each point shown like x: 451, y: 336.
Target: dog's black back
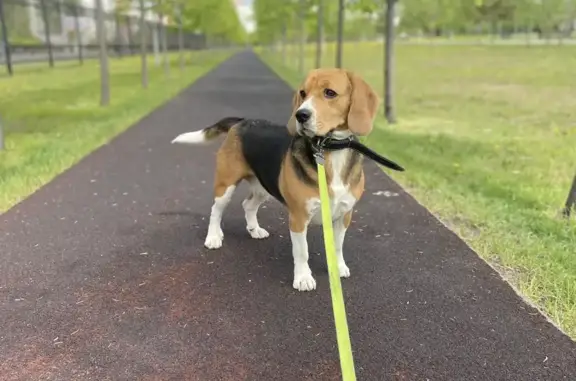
x: 264, y: 146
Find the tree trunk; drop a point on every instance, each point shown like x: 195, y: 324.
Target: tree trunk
x: 77, y: 34
x: 302, y: 39
x: 143, y: 46
x: 103, y: 55
x: 180, y: 38
x: 340, y: 32
x: 5, y: 41
x: 284, y: 47
x: 1, y: 137
x: 528, y: 33
x: 319, y: 33
x: 389, y: 62
x: 164, y: 42
x: 571, y: 200
x: 156, y: 43
x: 47, y: 33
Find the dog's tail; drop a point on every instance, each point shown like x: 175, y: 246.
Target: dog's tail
x: 209, y: 133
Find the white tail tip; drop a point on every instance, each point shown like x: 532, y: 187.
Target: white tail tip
x: 196, y: 137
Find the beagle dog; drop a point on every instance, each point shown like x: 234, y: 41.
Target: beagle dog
x: 279, y: 161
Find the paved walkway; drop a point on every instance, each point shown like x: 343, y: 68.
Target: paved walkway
x: 103, y: 275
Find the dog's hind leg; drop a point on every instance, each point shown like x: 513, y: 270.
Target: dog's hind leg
x: 223, y: 195
x: 251, y: 205
x: 230, y: 170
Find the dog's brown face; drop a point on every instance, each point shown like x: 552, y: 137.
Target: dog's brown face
x: 333, y: 100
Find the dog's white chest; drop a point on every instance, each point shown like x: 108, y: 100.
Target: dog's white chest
x: 342, y: 201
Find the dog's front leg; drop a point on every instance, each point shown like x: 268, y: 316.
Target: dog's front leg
x: 303, y: 279
x: 340, y: 227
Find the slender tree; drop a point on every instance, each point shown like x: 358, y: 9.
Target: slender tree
x: 389, y: 62
x: 180, y: 36
x: 143, y: 45
x: 5, y: 41
x: 571, y: 200
x: 1, y: 137
x: 319, y: 33
x: 103, y: 55
x: 340, y: 33
x: 284, y: 42
x: 164, y: 44
x: 302, y: 36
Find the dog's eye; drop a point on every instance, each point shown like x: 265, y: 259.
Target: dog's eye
x: 302, y: 94
x: 329, y: 93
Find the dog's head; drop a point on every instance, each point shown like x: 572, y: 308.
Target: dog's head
x: 334, y: 100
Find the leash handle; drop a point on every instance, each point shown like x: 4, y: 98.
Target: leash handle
x: 338, y: 308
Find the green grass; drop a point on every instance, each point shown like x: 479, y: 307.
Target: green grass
x: 52, y: 117
x: 488, y: 138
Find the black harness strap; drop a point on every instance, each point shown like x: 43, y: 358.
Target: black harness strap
x: 321, y: 143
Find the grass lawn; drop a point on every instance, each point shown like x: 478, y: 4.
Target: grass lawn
x: 488, y: 138
x: 52, y: 117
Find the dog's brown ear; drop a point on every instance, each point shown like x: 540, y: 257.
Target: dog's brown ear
x: 363, y: 106
x: 295, y: 104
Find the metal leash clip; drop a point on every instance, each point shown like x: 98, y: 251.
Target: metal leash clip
x: 319, y: 146
x: 318, y: 149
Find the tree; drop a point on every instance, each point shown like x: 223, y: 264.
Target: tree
x: 180, y: 37
x: 571, y: 200
x: 164, y: 43
x: 143, y: 46
x: 271, y: 19
x: 215, y: 18
x: 319, y: 33
x: 389, y: 61
x: 389, y: 6
x: 163, y: 8
x: 103, y: 55
x: 550, y: 14
x: 340, y: 33
x: 302, y: 39
x: 6, y: 50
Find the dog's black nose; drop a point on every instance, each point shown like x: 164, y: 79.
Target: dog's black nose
x: 303, y: 115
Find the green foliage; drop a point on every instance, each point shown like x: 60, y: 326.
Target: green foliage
x: 272, y: 16
x: 365, y: 17
x: 438, y: 16
x: 214, y: 18
x: 17, y: 19
x: 122, y: 6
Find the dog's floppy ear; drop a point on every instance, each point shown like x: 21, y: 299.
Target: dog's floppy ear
x: 363, y: 106
x: 292, y: 121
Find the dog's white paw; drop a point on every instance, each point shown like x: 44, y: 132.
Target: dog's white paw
x: 258, y: 233
x: 344, y: 270
x: 214, y: 240
x: 304, y: 282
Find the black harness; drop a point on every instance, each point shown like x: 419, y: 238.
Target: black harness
x: 322, y: 143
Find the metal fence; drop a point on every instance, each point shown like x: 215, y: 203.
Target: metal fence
x: 53, y: 30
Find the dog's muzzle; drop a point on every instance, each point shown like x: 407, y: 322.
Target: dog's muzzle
x: 304, y: 127
x: 303, y: 115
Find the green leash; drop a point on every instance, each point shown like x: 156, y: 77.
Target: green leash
x: 342, y: 334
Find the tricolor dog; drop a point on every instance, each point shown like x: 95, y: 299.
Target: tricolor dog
x: 278, y: 161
